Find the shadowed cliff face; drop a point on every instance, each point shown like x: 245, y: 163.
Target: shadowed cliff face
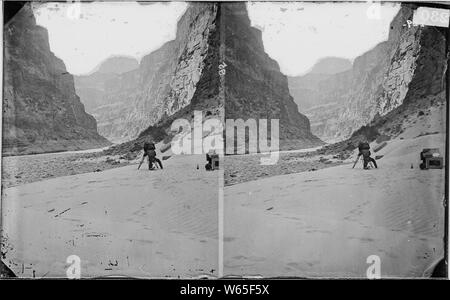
x: 407, y: 67
x: 41, y: 111
x: 254, y: 86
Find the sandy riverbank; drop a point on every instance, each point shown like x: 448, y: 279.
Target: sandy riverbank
x: 18, y: 170
x: 119, y: 222
x: 243, y: 168
x: 328, y: 222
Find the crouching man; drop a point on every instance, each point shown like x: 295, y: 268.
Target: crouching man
x: 364, y: 150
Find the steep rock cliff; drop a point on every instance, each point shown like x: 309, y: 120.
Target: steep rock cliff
x: 165, y: 82
x: 41, y: 111
x: 411, y: 61
x: 254, y: 85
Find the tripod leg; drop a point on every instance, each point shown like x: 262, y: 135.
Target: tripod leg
x: 356, y: 161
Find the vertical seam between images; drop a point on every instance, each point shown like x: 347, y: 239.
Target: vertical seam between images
x: 221, y: 217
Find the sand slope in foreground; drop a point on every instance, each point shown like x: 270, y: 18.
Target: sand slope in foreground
x: 119, y: 222
x: 328, y: 222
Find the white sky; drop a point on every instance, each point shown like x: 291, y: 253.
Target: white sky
x: 298, y: 34
x: 106, y: 29
x: 295, y: 34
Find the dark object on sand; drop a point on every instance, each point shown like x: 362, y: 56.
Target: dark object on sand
x: 213, y: 162
x: 166, y: 157
x: 431, y: 159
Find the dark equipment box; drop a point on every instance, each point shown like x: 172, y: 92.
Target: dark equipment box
x: 431, y: 159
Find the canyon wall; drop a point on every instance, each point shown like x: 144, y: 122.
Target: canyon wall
x: 255, y: 88
x: 410, y: 62
x: 165, y: 81
x: 187, y: 79
x: 41, y: 111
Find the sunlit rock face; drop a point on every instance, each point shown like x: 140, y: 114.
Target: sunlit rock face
x: 41, y: 111
x: 406, y: 67
x: 165, y: 81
